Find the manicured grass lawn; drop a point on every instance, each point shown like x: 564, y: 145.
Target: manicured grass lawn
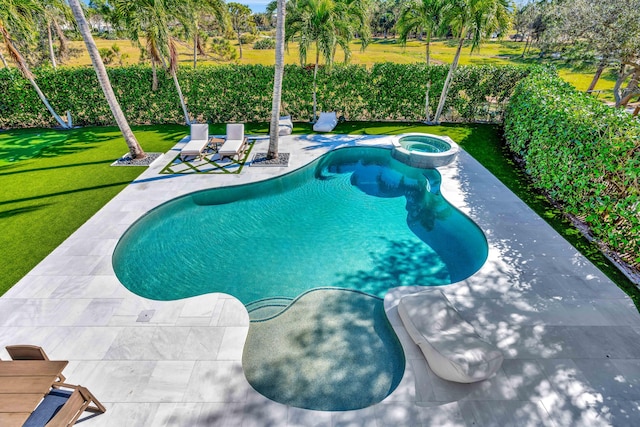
x: 53, y: 181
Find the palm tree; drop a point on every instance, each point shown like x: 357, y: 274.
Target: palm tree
x: 18, y: 17
x: 54, y: 12
x: 135, y: 150
x: 420, y: 16
x: 240, y: 20
x: 150, y: 19
x: 272, y: 153
x: 384, y: 16
x: 199, y: 11
x: 326, y: 24
x: 477, y: 19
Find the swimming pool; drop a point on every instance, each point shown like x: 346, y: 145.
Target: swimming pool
x: 354, y: 219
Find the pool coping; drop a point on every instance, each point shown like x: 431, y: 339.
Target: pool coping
x: 570, y: 337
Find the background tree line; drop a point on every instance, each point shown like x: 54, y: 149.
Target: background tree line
x: 583, y: 30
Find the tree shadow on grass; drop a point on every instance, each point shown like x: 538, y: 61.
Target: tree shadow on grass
x: 18, y: 211
x: 21, y: 146
x: 62, y: 193
x: 25, y: 144
x: 71, y: 165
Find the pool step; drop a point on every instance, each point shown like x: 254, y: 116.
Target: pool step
x: 266, y: 308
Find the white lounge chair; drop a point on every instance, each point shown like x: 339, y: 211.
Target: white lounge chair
x: 285, y: 125
x: 234, y: 143
x: 326, y: 122
x: 197, y: 143
x: 452, y: 347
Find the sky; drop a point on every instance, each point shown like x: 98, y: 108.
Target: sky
x: 257, y: 6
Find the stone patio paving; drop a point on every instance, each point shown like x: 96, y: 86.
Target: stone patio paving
x: 570, y: 337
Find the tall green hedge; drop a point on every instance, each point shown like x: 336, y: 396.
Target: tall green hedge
x: 243, y: 93
x: 582, y: 153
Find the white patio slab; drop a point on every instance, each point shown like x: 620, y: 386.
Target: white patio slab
x: 570, y: 337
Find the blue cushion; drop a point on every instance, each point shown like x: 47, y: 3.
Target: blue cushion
x: 49, y: 406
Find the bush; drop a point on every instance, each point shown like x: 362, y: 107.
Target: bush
x: 583, y: 154
x: 107, y: 55
x: 243, y: 93
x: 265, y: 43
x: 223, y: 49
x: 247, y: 38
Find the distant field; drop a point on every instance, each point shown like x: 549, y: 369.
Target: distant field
x: 380, y: 50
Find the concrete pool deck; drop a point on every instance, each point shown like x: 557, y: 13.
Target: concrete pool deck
x: 570, y: 337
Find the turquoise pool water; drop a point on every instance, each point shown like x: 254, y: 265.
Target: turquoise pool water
x: 332, y: 350
x: 355, y: 218
x: 424, y: 143
x: 311, y: 254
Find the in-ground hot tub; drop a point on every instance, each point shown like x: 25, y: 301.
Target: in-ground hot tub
x: 423, y: 150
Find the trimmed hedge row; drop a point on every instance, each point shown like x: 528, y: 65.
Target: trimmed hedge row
x: 243, y: 93
x: 582, y: 153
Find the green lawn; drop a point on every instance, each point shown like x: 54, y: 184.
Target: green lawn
x: 53, y: 181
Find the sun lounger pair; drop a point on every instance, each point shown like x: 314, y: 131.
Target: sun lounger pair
x: 326, y: 122
x: 232, y: 147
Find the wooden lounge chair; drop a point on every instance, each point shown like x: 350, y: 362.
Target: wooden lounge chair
x: 62, y: 408
x: 234, y: 144
x: 326, y: 122
x: 197, y: 143
x: 29, y: 352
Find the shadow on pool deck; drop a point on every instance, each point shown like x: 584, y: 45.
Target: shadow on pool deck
x: 570, y: 337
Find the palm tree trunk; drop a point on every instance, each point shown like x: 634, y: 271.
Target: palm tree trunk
x: 45, y: 101
x: 154, y: 75
x: 447, y: 82
x: 195, y: 45
x: 51, y: 52
x: 315, y: 83
x: 195, y: 51
x: 4, y: 61
x: 135, y: 150
x: 174, y: 74
x: 24, y: 69
x: 428, y: 48
x: 426, y: 103
x: 63, y: 49
x: 274, y: 129
x: 427, y: 53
